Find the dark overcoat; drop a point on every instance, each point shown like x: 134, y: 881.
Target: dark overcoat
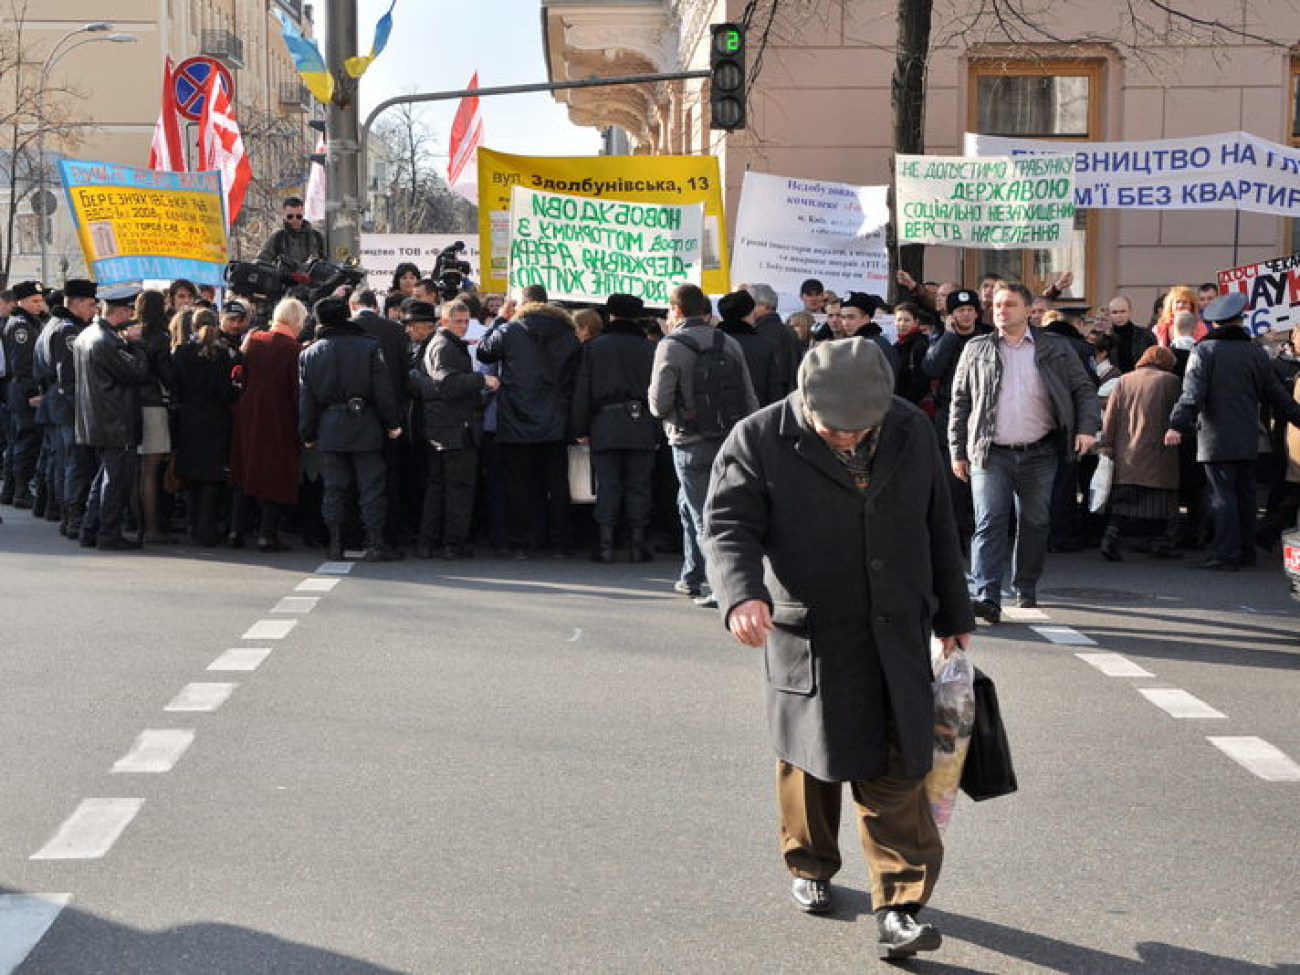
x: 265, y: 454
x: 857, y: 582
x: 1133, y: 431
x: 203, y: 393
x: 451, y: 392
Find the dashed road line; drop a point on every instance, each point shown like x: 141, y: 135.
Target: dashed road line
x: 241, y: 658
x: 1064, y: 636
x: 316, y: 585
x: 270, y: 630
x: 1114, y: 665
x: 201, y: 696
x: 333, y: 568
x: 1179, y: 704
x: 91, y: 830
x: 1018, y: 615
x: 296, y: 604
x: 156, y: 750
x: 24, y: 919
x: 1256, y: 755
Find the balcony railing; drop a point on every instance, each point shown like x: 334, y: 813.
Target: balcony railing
x: 224, y: 45
x: 294, y: 97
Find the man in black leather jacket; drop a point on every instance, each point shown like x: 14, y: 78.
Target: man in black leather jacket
x: 110, y: 369
x: 346, y: 405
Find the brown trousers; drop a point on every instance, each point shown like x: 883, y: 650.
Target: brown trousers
x: 899, y: 837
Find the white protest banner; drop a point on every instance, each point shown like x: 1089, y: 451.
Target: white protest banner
x: 381, y: 253
x: 1226, y: 171
x: 1273, y: 288
x: 584, y: 249
x: 994, y: 203
x: 789, y: 230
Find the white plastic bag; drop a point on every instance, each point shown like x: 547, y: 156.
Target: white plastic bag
x: 954, y: 719
x: 582, y: 476
x: 1099, y: 486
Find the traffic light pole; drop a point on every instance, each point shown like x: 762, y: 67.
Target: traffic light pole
x: 360, y: 175
x: 343, y: 183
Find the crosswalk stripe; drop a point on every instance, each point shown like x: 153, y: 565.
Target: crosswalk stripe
x: 1178, y: 703
x: 24, y: 919
x: 241, y: 658
x: 296, y: 604
x: 270, y: 630
x: 1267, y: 761
x: 1018, y: 615
x: 1114, y: 665
x: 201, y: 696
x: 156, y: 750
x: 316, y: 585
x: 1064, y: 635
x: 334, y: 568
x: 91, y: 830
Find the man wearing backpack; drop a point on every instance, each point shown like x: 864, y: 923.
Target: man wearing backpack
x: 700, y: 387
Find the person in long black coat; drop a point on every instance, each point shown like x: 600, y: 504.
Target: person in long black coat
x: 203, y: 391
x: 841, y: 473
x: 737, y: 311
x: 610, y: 409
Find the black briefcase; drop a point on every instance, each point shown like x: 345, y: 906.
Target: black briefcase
x: 988, y: 772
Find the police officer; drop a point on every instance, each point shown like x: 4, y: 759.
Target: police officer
x: 346, y: 405
x: 74, y: 464
x: 20, y: 334
x: 111, y: 367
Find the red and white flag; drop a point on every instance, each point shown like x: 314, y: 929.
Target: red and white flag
x: 313, y: 203
x: 466, y: 134
x: 166, y: 153
x: 221, y: 147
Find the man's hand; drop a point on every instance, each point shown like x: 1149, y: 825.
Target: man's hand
x: 750, y: 622
x: 492, y: 383
x: 958, y: 641
x: 1064, y: 281
x: 309, y: 444
x: 1083, y: 443
x: 394, y: 433
x: 508, y: 309
x: 1173, y: 438
x: 905, y: 280
x: 961, y: 470
x: 33, y: 401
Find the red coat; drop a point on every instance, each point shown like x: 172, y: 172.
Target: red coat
x: 264, y: 459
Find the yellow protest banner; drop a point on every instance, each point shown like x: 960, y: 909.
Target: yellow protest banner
x: 675, y: 180
x: 140, y: 224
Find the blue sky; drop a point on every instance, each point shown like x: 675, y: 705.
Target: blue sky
x: 501, y: 39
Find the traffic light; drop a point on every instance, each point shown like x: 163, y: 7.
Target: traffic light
x: 727, y: 80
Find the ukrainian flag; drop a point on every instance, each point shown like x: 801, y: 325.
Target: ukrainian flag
x: 307, y: 60
x: 356, y: 67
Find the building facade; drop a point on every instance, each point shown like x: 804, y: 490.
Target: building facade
x: 106, y: 98
x: 819, y: 106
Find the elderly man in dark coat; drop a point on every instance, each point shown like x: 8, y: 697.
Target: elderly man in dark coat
x: 832, y: 544
x: 1228, y: 379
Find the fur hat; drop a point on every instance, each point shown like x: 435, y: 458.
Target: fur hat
x: 625, y: 306
x: 79, y: 288
x: 331, y: 311
x: 961, y: 299
x: 735, y: 306
x: 847, y: 384
x: 25, y: 289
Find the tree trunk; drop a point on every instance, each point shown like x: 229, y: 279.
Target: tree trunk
x: 907, y: 101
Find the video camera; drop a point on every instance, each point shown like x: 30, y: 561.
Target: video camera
x: 449, y: 271
x: 268, y: 283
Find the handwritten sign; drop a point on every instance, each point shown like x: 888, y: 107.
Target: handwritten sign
x: 1273, y: 288
x: 583, y: 249
x: 994, y: 203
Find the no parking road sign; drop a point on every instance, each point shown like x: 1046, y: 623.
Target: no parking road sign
x: 189, y: 81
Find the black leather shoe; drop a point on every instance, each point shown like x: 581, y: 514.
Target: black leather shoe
x: 812, y: 896
x: 118, y: 544
x: 986, y: 610
x: 382, y: 553
x: 898, y: 935
x: 1027, y: 601
x: 1215, y: 565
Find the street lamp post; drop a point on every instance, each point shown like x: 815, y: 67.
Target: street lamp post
x: 57, y: 52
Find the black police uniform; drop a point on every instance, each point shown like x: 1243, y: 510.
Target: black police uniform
x: 20, y: 334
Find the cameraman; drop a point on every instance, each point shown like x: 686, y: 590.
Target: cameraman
x: 297, y: 242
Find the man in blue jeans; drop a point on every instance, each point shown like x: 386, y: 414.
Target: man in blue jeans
x: 673, y: 398
x: 1020, y: 401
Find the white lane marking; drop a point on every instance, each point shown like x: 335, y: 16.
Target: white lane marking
x: 353, y: 553
x: 24, y: 919
x: 577, y: 635
x: 156, y: 750
x: 91, y: 830
x: 1064, y: 635
x: 1114, y: 665
x: 1256, y: 755
x: 241, y: 658
x: 201, y: 697
x: 1178, y: 703
x: 296, y: 604
x: 270, y: 630
x: 316, y: 585
x: 1019, y: 615
x: 333, y: 568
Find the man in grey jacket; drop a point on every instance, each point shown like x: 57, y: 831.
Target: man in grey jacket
x: 1020, y: 401
x: 673, y: 398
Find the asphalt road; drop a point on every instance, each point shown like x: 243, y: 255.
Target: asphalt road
x: 492, y: 766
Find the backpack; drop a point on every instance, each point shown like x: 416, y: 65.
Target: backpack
x: 719, y: 382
